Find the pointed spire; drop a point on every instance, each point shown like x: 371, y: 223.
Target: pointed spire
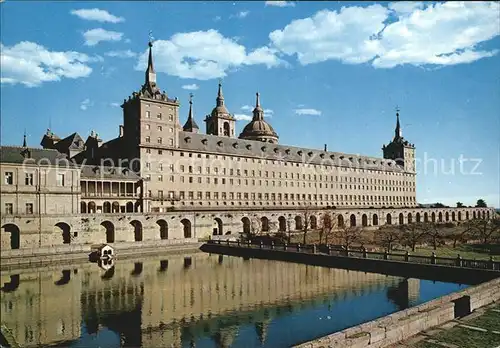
x: 25, y: 143
x: 258, y: 113
x: 190, y: 125
x: 150, y: 71
x: 397, y: 131
x: 220, y: 96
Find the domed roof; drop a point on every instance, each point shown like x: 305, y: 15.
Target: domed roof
x: 258, y: 127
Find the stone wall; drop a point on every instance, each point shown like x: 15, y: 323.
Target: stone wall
x: 401, y: 325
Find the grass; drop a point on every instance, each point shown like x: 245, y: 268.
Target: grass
x: 489, y: 320
x: 464, y: 337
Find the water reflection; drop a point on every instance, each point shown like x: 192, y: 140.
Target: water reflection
x: 203, y: 300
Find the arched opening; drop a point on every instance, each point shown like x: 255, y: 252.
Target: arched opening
x: 246, y: 225
x: 364, y: 220
x: 340, y: 221
x: 488, y: 214
x: 352, y: 219
x: 138, y: 207
x: 15, y: 235
x: 459, y: 216
x: 106, y: 208
x: 227, y: 130
x: 447, y: 216
x: 401, y: 219
x: 162, y: 224
x: 314, y: 222
x: 65, y: 230
x: 474, y: 214
x: 186, y: 227
x: 484, y: 215
x: 388, y: 219
x: 298, y: 223
x: 83, y: 207
x: 453, y: 217
x: 467, y: 215
x: 110, y: 231
x: 440, y: 217
x: 115, y: 207
x: 91, y: 208
x: 129, y: 207
x: 410, y: 218
x: 217, y: 229
x: 282, y: 223
x: 137, y: 225
x: 12, y: 284
x: 426, y: 217
x: 433, y: 217
x: 265, y: 224
x: 375, y: 220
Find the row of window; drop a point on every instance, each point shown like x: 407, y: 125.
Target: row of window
x: 159, y: 128
x: 9, y: 208
x: 29, y: 179
x: 159, y: 140
x: 159, y: 116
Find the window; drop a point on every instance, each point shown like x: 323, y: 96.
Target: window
x: 160, y: 140
x: 160, y: 128
x: 9, y: 208
x: 148, y: 150
x: 160, y: 194
x: 9, y: 178
x: 171, y: 142
x: 158, y: 116
x: 29, y: 179
x: 160, y: 178
x: 29, y: 208
x: 148, y: 165
x: 148, y: 127
x: 171, y: 178
x: 60, y: 179
x: 148, y: 139
x: 170, y: 117
x: 190, y: 195
x: 148, y: 114
x: 149, y: 193
x: 171, y: 130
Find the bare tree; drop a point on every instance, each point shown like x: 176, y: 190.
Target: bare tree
x: 412, y: 234
x: 462, y: 232
x: 387, y: 236
x: 487, y: 229
x: 255, y: 225
x: 328, y: 225
x: 349, y: 235
x: 289, y: 223
x: 306, y: 220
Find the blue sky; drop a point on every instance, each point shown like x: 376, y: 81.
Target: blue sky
x: 328, y: 72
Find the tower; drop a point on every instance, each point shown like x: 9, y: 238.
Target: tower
x: 220, y: 122
x: 258, y: 129
x: 190, y: 125
x: 400, y: 149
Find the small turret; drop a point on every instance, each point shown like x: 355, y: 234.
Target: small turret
x: 190, y: 125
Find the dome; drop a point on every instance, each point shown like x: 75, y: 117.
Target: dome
x: 258, y: 128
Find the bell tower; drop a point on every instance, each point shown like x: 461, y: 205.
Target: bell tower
x: 400, y: 149
x: 220, y: 122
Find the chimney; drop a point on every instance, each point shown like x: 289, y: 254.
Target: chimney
x: 325, y: 148
x: 121, y: 130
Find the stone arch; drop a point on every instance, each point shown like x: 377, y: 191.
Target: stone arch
x: 313, y: 222
x: 129, y: 208
x: 138, y: 207
x: 340, y: 221
x: 115, y: 207
x: 364, y: 220
x: 447, y: 216
x: 227, y: 129
x: 410, y: 218
x: 488, y: 214
x: 65, y: 230
x: 83, y: 207
x: 417, y: 217
x: 426, y: 217
x: 163, y: 227
x: 15, y: 235
x: 109, y: 229
x: 467, y: 215
x: 433, y: 217
x: 187, y: 229
x: 388, y: 219
x: 106, y: 208
x: 459, y: 216
x: 453, y: 218
x: 474, y: 214
x: 440, y: 217
x: 484, y: 215
x: 352, y: 220
x: 91, y: 207
x: 137, y: 225
x: 401, y: 219
x: 298, y: 223
x: 265, y: 224
x: 282, y: 224
x: 217, y: 228
x: 375, y: 220
x: 246, y: 224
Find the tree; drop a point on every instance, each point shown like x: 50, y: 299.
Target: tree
x: 462, y: 232
x: 438, y: 205
x: 387, y: 235
x: 289, y: 228
x: 434, y: 232
x: 460, y: 205
x: 306, y: 219
x: 412, y: 234
x: 328, y: 224
x: 481, y: 203
x: 255, y: 225
x: 487, y: 229
x: 349, y: 235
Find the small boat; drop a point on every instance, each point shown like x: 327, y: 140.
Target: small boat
x: 101, y: 252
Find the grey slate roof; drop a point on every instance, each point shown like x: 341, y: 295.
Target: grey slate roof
x: 110, y: 173
x: 13, y: 154
x: 257, y: 149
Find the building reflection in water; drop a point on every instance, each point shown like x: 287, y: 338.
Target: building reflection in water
x: 174, y: 301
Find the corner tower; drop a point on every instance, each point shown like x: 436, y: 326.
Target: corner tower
x: 400, y: 149
x: 220, y: 122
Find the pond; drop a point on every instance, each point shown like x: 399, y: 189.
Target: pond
x: 200, y: 300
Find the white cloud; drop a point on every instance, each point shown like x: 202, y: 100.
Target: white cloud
x: 240, y: 15
x: 204, y: 55
x: 280, y: 3
x: 115, y: 105
x: 94, y: 36
x: 402, y: 33
x: 191, y: 87
x: 267, y: 112
x: 85, y: 104
x: 311, y: 112
x: 31, y: 64
x: 242, y: 117
x: 95, y: 14
x: 247, y: 108
x: 121, y: 54
x: 217, y: 18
